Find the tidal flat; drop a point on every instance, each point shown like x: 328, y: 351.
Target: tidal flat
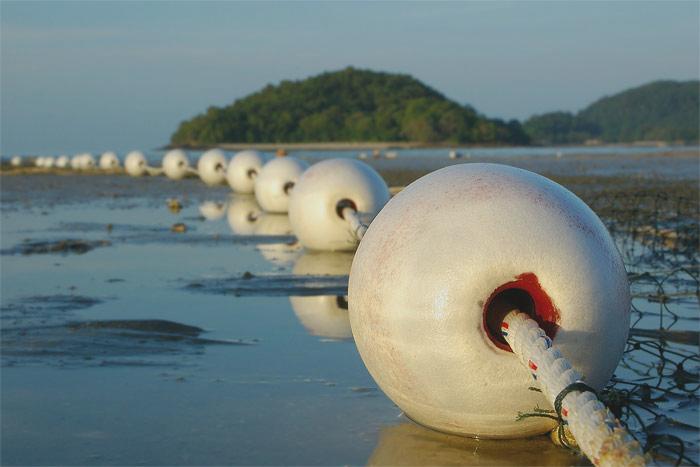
x: 128, y: 341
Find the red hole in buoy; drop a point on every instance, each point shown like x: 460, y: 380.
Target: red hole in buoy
x: 526, y: 294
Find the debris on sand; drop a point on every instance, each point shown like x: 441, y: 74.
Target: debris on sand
x: 179, y: 228
x: 41, y: 247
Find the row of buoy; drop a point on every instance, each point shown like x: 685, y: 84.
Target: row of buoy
x: 439, y: 266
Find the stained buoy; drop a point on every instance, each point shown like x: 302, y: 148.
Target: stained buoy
x: 441, y: 264
x: 243, y: 169
x: 212, y: 167
x: 274, y: 184
x: 62, y: 162
x: 176, y: 164
x: 321, y: 195
x: 109, y: 161
x: 16, y: 161
x: 243, y: 214
x: 324, y: 316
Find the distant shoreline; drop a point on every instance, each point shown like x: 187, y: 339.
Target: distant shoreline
x: 383, y: 145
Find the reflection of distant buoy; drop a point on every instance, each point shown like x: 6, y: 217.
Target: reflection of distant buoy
x: 16, y: 161
x: 274, y: 184
x: 62, y: 162
x: 176, y: 164
x: 242, y: 170
x: 323, y: 316
x: 243, y: 214
x: 280, y: 254
x: 411, y: 444
x: 321, y: 195
x: 135, y: 165
x: 212, y: 167
x: 433, y: 270
x: 212, y: 210
x: 109, y: 161
x: 391, y: 154
x: 455, y: 155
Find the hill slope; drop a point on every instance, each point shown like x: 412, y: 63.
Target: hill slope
x: 347, y: 105
x: 658, y: 111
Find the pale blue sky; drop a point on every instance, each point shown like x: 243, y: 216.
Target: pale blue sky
x: 119, y: 75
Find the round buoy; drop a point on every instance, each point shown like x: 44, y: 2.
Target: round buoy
x: 316, y: 209
x: 176, y: 164
x: 135, y: 164
x: 242, y: 170
x: 109, y: 161
x: 62, y: 162
x: 75, y: 161
x: 274, y: 184
x: 243, y: 214
x: 444, y: 261
x: 16, y: 161
x: 86, y: 162
x: 48, y: 162
x: 324, y: 316
x: 212, y: 167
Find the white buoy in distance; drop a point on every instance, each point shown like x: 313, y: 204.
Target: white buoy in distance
x: 176, y: 164
x: 109, y: 161
x: 75, y: 161
x: 16, y: 161
x: 86, y: 161
x: 444, y: 261
x: 211, y: 167
x: 243, y: 169
x: 49, y: 162
x: 62, y: 162
x: 274, y: 184
x: 136, y: 165
x: 321, y: 195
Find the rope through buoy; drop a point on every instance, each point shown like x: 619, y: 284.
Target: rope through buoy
x: 596, y: 430
x: 357, y: 227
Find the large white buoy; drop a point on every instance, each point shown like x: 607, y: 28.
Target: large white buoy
x: 212, y: 167
x: 323, y: 191
x: 243, y: 214
x: 109, y: 161
x: 324, y: 316
x: 176, y: 164
x: 277, y: 179
x: 62, y: 162
x: 242, y: 170
x: 442, y: 263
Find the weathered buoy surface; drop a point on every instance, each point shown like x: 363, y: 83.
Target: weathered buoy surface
x: 211, y: 167
x: 316, y: 206
x: 451, y: 252
x: 109, y: 160
x: 323, y: 315
x: 277, y: 179
x: 243, y: 214
x: 135, y: 164
x: 176, y: 164
x: 242, y: 170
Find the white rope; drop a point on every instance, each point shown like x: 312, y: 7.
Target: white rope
x: 599, y: 435
x: 356, y: 225
x: 154, y: 171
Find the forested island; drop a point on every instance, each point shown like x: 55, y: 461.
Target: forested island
x: 354, y: 105
x: 658, y: 111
